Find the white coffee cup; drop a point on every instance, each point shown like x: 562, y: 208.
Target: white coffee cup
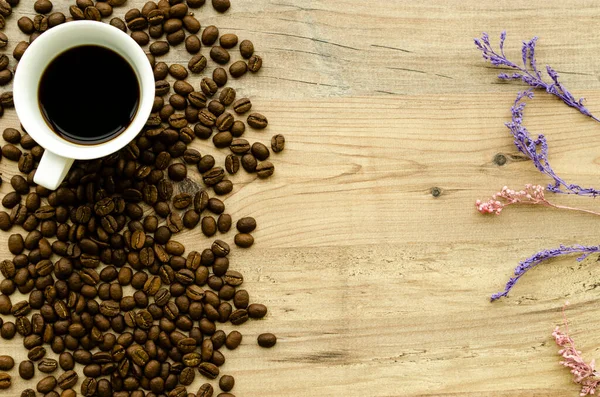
x: 59, y: 153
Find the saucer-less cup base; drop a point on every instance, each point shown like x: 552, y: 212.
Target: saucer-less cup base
x: 59, y: 154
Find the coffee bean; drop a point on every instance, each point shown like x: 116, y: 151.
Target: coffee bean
x: 197, y: 63
x: 238, y: 69
x: 210, y: 35
x: 172, y: 25
x: 208, y: 86
x: 234, y: 339
x: 46, y: 385
x: 159, y: 47
x: 249, y: 162
x: 232, y: 164
x: 178, y: 72
x: 19, y: 184
x: 257, y: 121
x: 208, y: 370
x: 183, y: 88
x: 256, y: 310
x: 140, y: 37
x: 76, y: 13
x: 239, y: 146
x: 221, y: 5
x: 6, y: 363
x: 265, y: 169
x: 140, y: 23
x: 178, y: 102
x: 105, y: 9
x: 5, y: 77
x: 176, y: 37
x: 228, y: 40
x: 47, y: 365
x: 254, y: 63
x: 177, y: 172
x: 26, y: 25
x: 88, y: 387
x: 220, y: 76
x: 219, y: 55
x: 92, y: 14
x: 226, y: 382
x: 206, y: 390
x: 242, y: 105
x: 16, y: 245
x: 277, y: 143
x: 209, y: 226
x: 116, y: 22
x: 260, y: 151
x: 5, y: 380
x: 267, y: 340
x: 26, y: 369
x: 246, y: 49
x: 162, y: 87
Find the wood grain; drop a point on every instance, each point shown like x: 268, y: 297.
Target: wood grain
x: 376, y: 287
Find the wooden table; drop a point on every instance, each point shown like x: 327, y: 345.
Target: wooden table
x: 375, y: 285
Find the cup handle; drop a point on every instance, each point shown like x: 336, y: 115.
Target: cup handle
x: 52, y: 170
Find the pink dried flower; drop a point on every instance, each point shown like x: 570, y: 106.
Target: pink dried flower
x: 583, y: 373
x: 532, y: 195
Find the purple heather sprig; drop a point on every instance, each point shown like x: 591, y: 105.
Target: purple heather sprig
x: 537, y: 150
x: 583, y: 373
x: 541, y: 256
x: 533, y: 77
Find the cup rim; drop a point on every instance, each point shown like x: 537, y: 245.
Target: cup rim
x: 28, y: 109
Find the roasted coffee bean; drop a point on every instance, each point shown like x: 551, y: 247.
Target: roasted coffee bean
x: 159, y: 48
x: 177, y: 172
x: 267, y: 340
x: 238, y: 317
x: 216, y: 107
x: 254, y: 63
x: 176, y: 38
x: 26, y: 369
x: 260, y: 151
x: 226, y: 382
x: 208, y: 86
x: 239, y: 146
x: 219, y: 55
x: 16, y: 244
x: 220, y: 248
x: 220, y: 76
x: 265, y: 169
x: 234, y: 339
x: 6, y: 363
x: 26, y: 25
x: 210, y: 35
x: 105, y: 9
x: 257, y: 121
x: 238, y: 69
x: 47, y: 365
x: 172, y: 25
x: 178, y: 72
x: 224, y: 121
x: 215, y: 206
x: 277, y: 143
x: 192, y: 44
x: 11, y: 135
x: 206, y: 390
x: 5, y: 78
x: 5, y: 380
x: 178, y: 102
x: 209, y: 226
x: 222, y: 139
x: 10, y: 151
x: 213, y: 176
x: 232, y: 164
x: 42, y: 6
x: 89, y: 387
x: 139, y: 36
x: 242, y: 105
x: 46, y: 385
x: 197, y: 64
x: 246, y: 49
x: 183, y: 88
x: 116, y: 22
x: 208, y: 370
x: 224, y: 187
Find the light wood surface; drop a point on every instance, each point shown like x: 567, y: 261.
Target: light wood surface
x: 375, y: 287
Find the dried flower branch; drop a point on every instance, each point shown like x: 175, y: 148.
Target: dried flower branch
x: 532, y: 78
x: 531, y: 195
x: 537, y: 150
x: 541, y: 256
x: 583, y: 373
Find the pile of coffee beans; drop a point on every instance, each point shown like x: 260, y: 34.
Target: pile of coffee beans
x: 111, y: 292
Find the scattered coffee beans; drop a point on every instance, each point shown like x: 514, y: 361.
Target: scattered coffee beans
x: 113, y: 224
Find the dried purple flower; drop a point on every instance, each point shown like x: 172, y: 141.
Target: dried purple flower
x: 541, y: 256
x: 532, y: 78
x: 537, y: 150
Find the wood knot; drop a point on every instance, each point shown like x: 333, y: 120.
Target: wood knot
x: 500, y: 159
x: 436, y: 191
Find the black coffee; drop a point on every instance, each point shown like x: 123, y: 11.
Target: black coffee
x: 89, y: 94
